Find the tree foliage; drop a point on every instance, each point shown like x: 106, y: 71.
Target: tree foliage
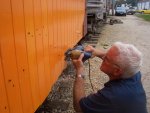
x: 132, y: 2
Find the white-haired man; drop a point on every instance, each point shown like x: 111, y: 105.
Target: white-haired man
x: 123, y: 93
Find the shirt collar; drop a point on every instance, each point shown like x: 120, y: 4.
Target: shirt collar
x: 136, y: 77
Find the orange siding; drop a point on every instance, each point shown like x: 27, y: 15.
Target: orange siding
x: 34, y: 34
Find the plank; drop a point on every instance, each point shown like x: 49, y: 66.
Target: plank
x: 8, y: 57
x: 31, y: 50
x: 40, y: 48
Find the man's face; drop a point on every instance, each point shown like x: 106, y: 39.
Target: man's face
x: 108, y: 65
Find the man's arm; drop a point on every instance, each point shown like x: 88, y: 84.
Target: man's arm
x: 78, y: 92
x: 78, y: 89
x: 95, y: 52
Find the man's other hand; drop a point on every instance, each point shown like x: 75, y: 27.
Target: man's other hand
x: 78, y: 64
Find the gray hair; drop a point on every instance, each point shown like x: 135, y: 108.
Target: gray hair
x: 128, y: 57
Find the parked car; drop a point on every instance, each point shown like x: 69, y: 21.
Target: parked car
x: 121, y: 11
x: 131, y: 11
x: 144, y: 11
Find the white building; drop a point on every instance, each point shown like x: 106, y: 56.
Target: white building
x: 143, y: 4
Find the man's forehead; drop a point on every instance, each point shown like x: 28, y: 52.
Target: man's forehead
x: 113, y: 51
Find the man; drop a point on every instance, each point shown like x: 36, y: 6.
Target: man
x: 123, y: 93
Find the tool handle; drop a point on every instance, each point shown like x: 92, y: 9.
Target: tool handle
x: 87, y: 55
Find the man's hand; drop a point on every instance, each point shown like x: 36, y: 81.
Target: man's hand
x: 91, y: 49
x: 95, y: 52
x: 78, y: 64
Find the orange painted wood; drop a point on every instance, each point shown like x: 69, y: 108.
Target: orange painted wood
x: 31, y: 49
x: 4, y: 107
x: 65, y: 25
x: 58, y: 37
x: 40, y: 48
x: 34, y: 34
x: 55, y: 38
x: 51, y: 41
x: 44, y: 6
x: 21, y: 55
x: 8, y: 56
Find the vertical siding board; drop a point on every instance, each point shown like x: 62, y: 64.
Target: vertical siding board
x: 76, y: 21
x: 21, y: 55
x: 59, y: 38
x: 68, y: 24
x: 46, y: 41
x: 70, y: 34
x: 60, y: 51
x: 63, y: 49
x: 85, y: 20
x: 61, y: 30
x: 73, y: 20
x: 80, y: 7
x: 51, y: 40
x: 39, y: 48
x: 4, y: 107
x: 64, y: 24
x: 9, y: 58
x: 62, y: 27
x: 36, y: 34
x: 55, y: 15
x: 74, y: 8
x: 54, y: 3
x: 81, y: 18
x: 31, y: 49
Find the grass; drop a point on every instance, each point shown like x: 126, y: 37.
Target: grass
x: 144, y: 16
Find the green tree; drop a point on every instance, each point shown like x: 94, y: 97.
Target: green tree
x: 132, y: 2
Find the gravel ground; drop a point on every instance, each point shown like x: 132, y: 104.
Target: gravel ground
x: 133, y: 30
x: 60, y: 99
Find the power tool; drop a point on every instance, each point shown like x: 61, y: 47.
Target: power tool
x: 76, y: 52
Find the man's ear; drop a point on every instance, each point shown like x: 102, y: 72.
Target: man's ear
x: 118, y: 72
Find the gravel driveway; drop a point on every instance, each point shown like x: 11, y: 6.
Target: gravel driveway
x: 133, y: 30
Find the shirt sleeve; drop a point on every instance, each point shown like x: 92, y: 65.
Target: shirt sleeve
x: 100, y: 102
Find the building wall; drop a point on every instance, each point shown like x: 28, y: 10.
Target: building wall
x: 34, y: 34
x: 144, y: 5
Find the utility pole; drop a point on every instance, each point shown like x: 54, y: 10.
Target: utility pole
x: 113, y: 5
x: 106, y: 6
